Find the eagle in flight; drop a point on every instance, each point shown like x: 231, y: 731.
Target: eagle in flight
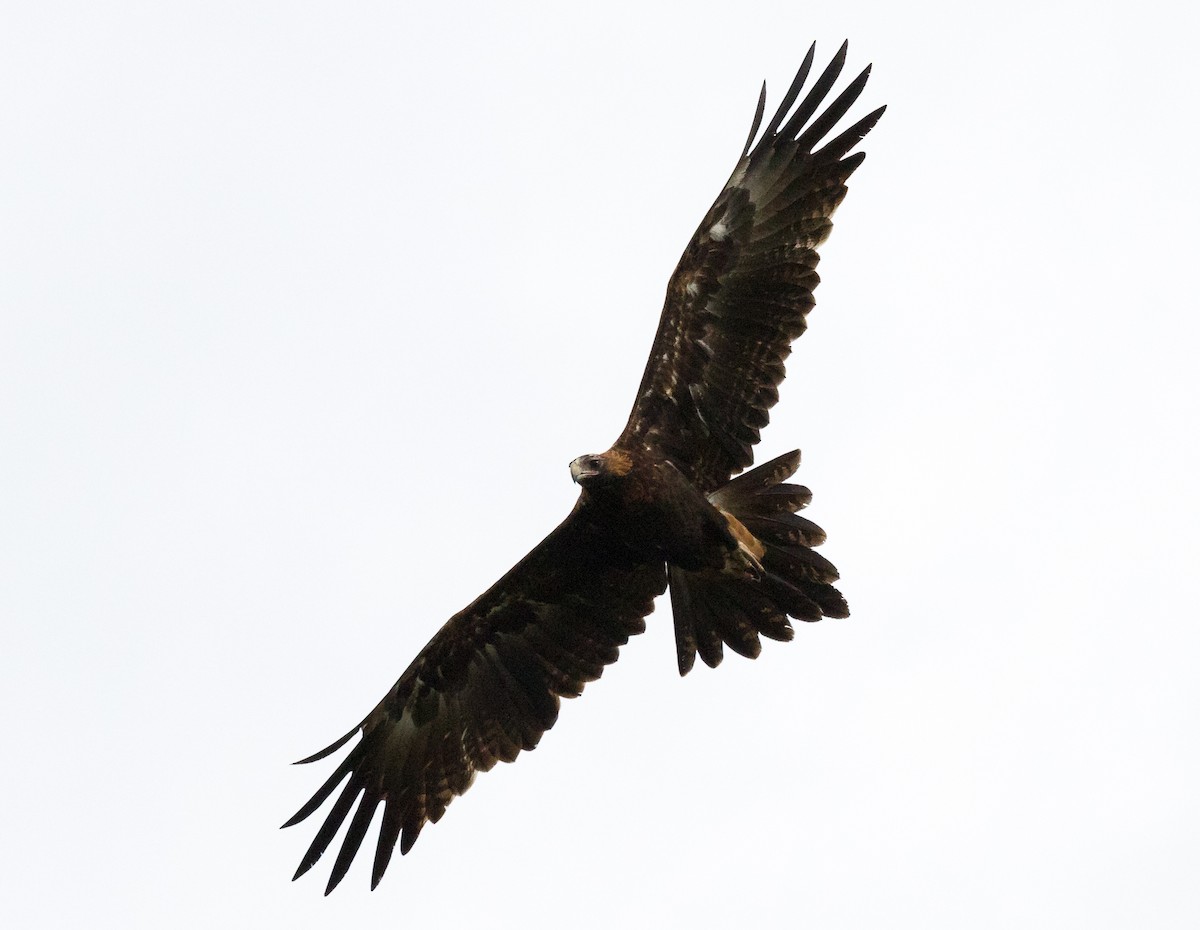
x: 658, y: 510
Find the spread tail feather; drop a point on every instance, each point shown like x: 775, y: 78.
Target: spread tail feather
x: 718, y: 608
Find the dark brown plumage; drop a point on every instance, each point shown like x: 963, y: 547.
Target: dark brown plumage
x: 658, y: 508
x: 743, y: 288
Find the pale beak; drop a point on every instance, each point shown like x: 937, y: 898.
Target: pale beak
x: 579, y: 470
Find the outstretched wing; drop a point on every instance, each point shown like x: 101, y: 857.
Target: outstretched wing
x: 743, y: 287
x: 484, y: 688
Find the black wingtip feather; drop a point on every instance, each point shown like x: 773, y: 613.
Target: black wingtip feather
x: 837, y: 147
x: 789, y: 98
x: 328, y: 750
x: 408, y: 836
x: 353, y: 840
x: 389, y: 832
x: 322, y: 793
x: 758, y: 115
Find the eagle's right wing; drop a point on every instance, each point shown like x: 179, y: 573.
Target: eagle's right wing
x: 484, y: 688
x: 744, y: 284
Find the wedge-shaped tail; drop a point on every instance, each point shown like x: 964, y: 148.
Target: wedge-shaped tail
x: 784, y: 577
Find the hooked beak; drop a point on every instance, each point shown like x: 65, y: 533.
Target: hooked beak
x: 579, y: 470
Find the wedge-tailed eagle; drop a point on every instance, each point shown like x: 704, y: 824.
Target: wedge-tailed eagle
x: 660, y: 509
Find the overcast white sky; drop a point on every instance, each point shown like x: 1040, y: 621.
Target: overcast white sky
x: 306, y: 307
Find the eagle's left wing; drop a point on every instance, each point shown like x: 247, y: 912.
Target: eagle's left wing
x: 485, y: 687
x: 744, y: 284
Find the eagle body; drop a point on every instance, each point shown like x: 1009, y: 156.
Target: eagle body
x: 664, y: 508
x: 654, y: 511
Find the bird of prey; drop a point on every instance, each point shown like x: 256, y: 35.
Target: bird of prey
x: 660, y: 509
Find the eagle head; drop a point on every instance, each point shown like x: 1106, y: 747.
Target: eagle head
x: 587, y: 467
x: 598, y: 467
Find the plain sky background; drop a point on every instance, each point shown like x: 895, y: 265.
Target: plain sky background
x: 305, y: 308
